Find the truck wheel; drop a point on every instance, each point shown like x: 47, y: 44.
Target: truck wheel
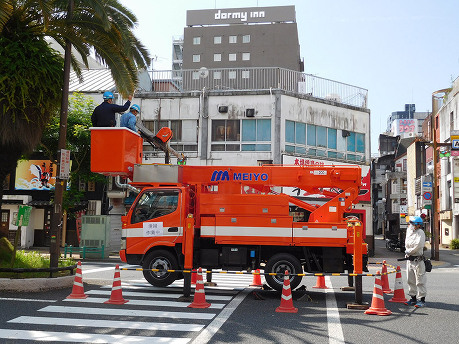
x: 278, y: 264
x: 163, y: 260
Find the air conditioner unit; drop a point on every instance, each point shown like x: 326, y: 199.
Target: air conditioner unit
x: 223, y: 108
x: 250, y: 113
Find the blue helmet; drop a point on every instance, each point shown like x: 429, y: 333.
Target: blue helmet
x: 135, y: 107
x: 108, y: 95
x: 416, y: 220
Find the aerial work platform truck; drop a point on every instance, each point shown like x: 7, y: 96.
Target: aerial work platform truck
x: 231, y: 217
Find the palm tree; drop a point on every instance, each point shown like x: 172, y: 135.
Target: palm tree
x: 30, y: 91
x: 29, y: 87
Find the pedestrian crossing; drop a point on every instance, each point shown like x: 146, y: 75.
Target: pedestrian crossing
x: 151, y: 315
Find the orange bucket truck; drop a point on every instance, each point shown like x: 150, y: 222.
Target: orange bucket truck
x: 234, y: 217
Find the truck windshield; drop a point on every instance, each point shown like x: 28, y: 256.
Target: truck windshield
x: 153, y: 204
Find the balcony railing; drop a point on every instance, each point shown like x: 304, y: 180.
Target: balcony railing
x: 262, y: 78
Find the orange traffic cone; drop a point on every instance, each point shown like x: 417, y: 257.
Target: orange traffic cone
x: 385, y: 279
x: 193, y: 276
x: 78, y: 290
x: 286, y: 305
x: 399, y: 293
x: 320, y: 284
x: 199, y: 300
x: 256, y: 282
x: 377, y: 303
x: 116, y: 297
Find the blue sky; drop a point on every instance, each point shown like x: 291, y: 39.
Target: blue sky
x: 400, y: 50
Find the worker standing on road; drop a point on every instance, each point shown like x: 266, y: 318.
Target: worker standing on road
x: 128, y: 119
x: 415, y: 267
x: 104, y: 114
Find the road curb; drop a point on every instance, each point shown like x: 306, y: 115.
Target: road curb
x: 27, y: 285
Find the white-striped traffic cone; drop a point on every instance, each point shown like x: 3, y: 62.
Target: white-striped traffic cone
x: 199, y: 300
x: 286, y: 305
x: 78, y: 289
x: 116, y: 297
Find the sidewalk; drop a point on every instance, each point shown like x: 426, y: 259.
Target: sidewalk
x: 447, y: 256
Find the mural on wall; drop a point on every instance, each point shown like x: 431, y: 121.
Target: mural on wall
x: 35, y: 175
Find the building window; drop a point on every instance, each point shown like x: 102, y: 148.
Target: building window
x: 332, y: 138
x: 246, y: 56
x: 311, y: 134
x: 217, y: 57
x: 245, y: 74
x: 174, y: 125
x: 184, y: 138
x: 321, y: 136
x: 232, y: 74
x: 246, y: 39
x: 232, y: 39
x: 218, y: 40
x: 360, y: 143
x: 295, y: 133
x: 241, y: 135
x: 196, y: 58
x: 217, y: 75
x: 196, y: 40
x: 320, y: 141
x: 231, y: 57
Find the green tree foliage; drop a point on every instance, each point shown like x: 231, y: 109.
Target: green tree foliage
x: 30, y: 91
x: 31, y: 74
x: 78, y: 142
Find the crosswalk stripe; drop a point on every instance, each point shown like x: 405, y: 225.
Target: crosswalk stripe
x: 48, y: 336
x: 127, y: 312
x: 145, y: 303
x: 137, y: 325
x: 157, y: 295
x: 146, y: 286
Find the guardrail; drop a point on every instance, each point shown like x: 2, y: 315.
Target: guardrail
x: 258, y: 78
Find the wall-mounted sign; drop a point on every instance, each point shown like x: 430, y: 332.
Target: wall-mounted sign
x: 35, y: 175
x: 241, y: 15
x: 64, y: 164
x: 23, y: 215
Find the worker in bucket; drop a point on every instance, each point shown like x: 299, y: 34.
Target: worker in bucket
x: 128, y: 119
x: 415, y: 267
x: 104, y: 114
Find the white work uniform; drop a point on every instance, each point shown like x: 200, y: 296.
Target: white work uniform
x: 416, y: 270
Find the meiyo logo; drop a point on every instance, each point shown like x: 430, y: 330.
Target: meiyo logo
x: 219, y: 176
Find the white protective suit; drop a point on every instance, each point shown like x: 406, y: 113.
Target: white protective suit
x: 416, y: 270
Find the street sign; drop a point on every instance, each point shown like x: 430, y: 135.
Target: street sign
x: 455, y: 144
x: 23, y: 215
x: 427, y: 195
x: 64, y: 164
x: 427, y: 184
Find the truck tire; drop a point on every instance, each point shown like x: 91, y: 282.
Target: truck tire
x: 163, y: 260
x: 278, y: 264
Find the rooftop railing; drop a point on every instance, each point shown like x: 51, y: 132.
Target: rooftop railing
x: 260, y: 78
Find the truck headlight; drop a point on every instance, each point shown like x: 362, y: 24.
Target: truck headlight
x: 123, y: 244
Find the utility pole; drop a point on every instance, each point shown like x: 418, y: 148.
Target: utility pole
x: 435, y: 231
x: 56, y: 219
